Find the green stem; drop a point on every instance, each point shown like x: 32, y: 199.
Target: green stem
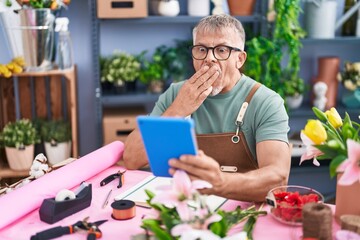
x: 335, y: 131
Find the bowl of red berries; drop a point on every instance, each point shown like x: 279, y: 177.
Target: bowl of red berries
x: 287, y: 202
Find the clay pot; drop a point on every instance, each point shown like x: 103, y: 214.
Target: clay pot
x: 241, y: 8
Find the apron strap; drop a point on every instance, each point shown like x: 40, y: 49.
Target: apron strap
x: 252, y: 92
x: 239, y: 119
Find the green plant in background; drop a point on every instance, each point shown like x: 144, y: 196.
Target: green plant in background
x: 19, y: 134
x: 293, y: 86
x: 119, y: 68
x: 168, y: 63
x: 56, y: 131
x: 266, y: 54
x: 152, y: 70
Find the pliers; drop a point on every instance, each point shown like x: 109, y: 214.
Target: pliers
x: 111, y: 177
x: 92, y: 230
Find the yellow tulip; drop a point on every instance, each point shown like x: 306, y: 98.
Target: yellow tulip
x: 315, y: 131
x: 334, y: 118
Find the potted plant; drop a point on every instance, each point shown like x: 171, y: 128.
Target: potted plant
x: 266, y: 54
x: 294, y: 88
x: 56, y: 135
x: 19, y: 138
x: 120, y: 69
x: 167, y: 64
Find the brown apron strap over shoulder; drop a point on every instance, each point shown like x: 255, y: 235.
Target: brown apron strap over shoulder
x: 232, y: 156
x: 252, y: 92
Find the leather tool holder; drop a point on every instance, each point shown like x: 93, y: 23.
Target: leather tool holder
x: 52, y: 211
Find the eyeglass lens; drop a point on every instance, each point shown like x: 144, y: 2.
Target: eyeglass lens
x: 220, y: 52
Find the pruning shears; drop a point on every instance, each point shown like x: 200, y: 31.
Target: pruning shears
x: 92, y: 229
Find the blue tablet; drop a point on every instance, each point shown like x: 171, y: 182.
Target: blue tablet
x: 165, y: 138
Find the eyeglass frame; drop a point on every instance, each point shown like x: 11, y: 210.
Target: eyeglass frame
x: 213, y: 51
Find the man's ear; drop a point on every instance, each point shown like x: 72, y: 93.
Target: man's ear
x: 241, y: 59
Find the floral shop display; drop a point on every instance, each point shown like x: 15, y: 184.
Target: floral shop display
x: 180, y: 211
x: 336, y: 139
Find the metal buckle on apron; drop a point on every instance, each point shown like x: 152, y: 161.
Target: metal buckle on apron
x: 239, y: 122
x: 228, y: 168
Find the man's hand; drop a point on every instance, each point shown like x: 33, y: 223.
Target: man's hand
x: 194, y: 91
x: 201, y: 167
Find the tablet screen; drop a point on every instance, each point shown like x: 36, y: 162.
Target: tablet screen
x: 165, y: 138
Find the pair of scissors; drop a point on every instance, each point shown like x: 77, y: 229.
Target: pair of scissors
x: 92, y: 229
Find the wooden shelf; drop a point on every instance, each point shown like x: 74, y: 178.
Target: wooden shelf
x: 335, y: 40
x: 126, y: 100
x: 176, y: 19
x: 9, y: 173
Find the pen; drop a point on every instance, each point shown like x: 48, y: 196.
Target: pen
x: 107, y: 199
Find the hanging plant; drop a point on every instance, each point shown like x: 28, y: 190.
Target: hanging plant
x: 266, y: 54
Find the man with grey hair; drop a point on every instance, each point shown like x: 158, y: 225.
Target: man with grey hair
x: 241, y: 125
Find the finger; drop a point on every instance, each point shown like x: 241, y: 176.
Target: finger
x: 207, y: 75
x: 199, y: 73
x: 209, y: 82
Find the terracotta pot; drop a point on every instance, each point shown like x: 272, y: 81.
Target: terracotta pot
x: 241, y: 8
x: 20, y: 159
x: 156, y: 86
x: 328, y: 67
x: 347, y: 199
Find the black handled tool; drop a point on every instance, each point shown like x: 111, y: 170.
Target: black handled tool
x: 111, y: 177
x: 92, y: 230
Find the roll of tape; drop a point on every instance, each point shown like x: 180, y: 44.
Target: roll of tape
x: 123, y: 209
x: 65, y: 194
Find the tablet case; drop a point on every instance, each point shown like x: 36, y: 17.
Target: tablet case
x: 165, y: 138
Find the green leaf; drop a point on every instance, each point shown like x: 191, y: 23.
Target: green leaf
x: 220, y: 228
x: 153, y: 226
x: 335, y: 162
x: 319, y: 114
x: 249, y: 227
x: 328, y: 152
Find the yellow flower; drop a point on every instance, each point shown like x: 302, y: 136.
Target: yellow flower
x: 315, y: 131
x: 334, y: 118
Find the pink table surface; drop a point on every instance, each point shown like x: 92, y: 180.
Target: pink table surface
x: 265, y: 228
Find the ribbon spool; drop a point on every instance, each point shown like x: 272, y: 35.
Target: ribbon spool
x: 351, y: 223
x: 317, y: 221
x: 123, y: 209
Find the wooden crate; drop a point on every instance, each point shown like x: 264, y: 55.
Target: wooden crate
x: 117, y: 124
x: 39, y: 95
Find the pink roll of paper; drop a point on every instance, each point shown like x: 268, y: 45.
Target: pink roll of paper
x: 22, y: 201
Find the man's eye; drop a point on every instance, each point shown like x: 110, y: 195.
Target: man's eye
x: 222, y: 49
x: 202, y: 49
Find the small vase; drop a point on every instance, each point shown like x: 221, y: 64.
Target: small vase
x: 347, y: 199
x: 198, y: 8
x: 156, y: 86
x: 20, y: 159
x: 351, y: 99
x: 241, y: 8
x: 169, y: 8
x: 57, y: 153
x: 294, y: 102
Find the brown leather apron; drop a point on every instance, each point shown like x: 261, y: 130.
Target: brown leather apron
x: 230, y: 150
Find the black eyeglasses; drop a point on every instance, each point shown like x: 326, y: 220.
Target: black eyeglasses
x: 221, y: 52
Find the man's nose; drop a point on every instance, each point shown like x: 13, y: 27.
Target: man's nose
x: 210, y: 56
